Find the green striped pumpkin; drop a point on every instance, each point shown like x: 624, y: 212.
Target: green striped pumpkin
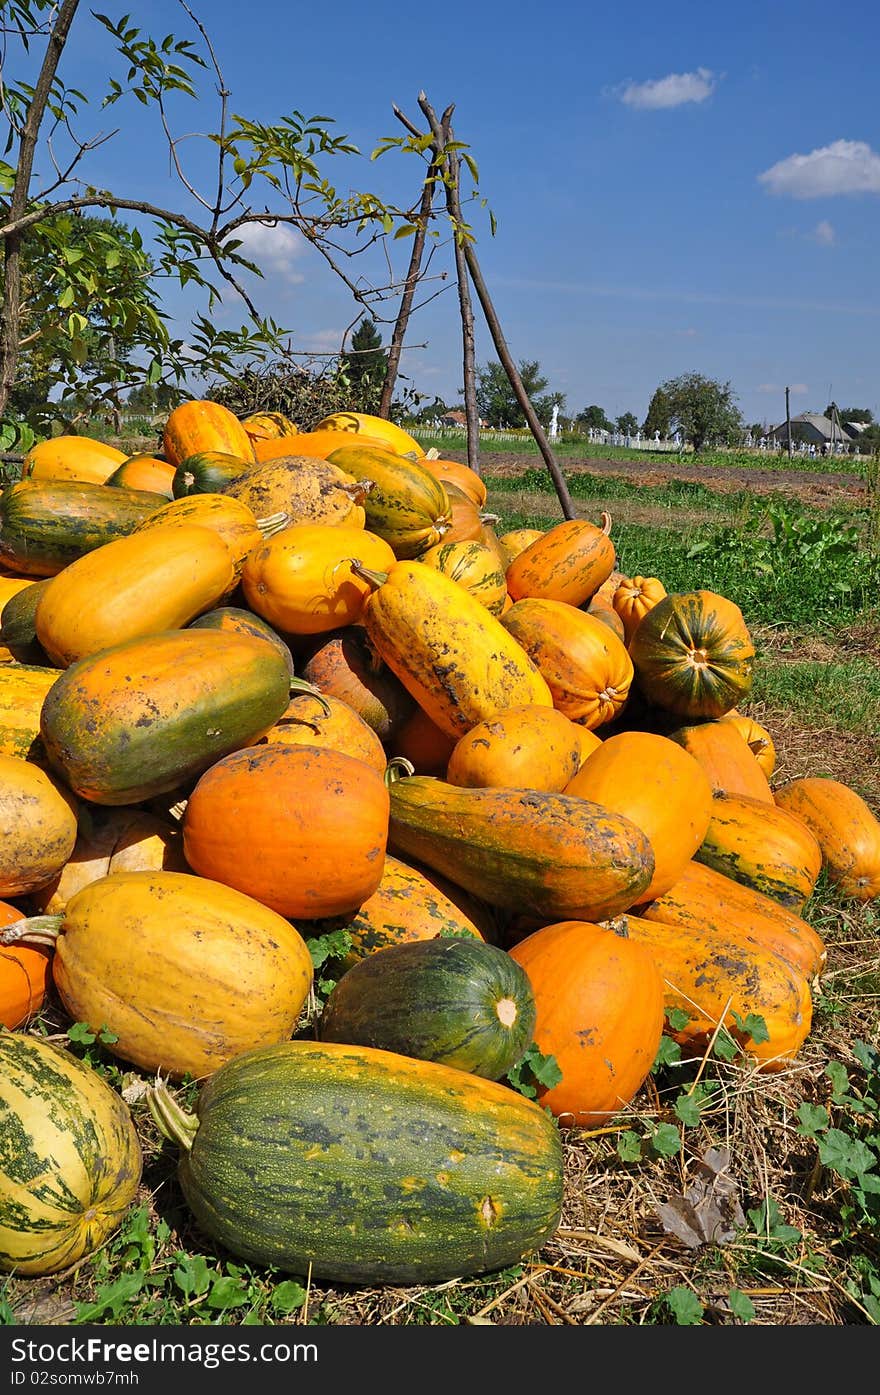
x: 357, y: 1165
x: 45, y: 524
x: 406, y: 505
x: 208, y: 472
x: 456, y: 1000
x: 70, y: 1164
x: 693, y: 655
x: 475, y: 567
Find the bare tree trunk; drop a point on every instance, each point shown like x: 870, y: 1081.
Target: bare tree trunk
x: 449, y: 164
x: 412, y: 276
x: 11, y: 310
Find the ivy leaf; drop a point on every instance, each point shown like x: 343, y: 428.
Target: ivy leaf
x: 685, y: 1307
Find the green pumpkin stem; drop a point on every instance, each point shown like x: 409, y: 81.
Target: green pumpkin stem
x: 33, y: 930
x: 174, y: 1123
x: 376, y: 579
x: 273, y: 523
x: 397, y: 768
x: 300, y: 685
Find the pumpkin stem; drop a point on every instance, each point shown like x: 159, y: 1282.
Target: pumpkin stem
x: 376, y: 579
x: 33, y: 930
x: 174, y: 1123
x: 273, y: 523
x: 299, y: 685
x: 606, y: 522
x: 397, y: 768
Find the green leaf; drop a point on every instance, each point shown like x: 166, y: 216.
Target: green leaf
x: 81, y: 1033
x: 666, y: 1140
x: 66, y: 298
x: 685, y: 1307
x: 227, y: 1292
x: 813, y: 1117
x: 629, y: 1146
x: 287, y: 1297
x: 741, y: 1305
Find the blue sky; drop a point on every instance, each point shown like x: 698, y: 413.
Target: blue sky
x: 677, y: 187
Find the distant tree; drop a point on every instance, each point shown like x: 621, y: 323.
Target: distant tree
x: 702, y: 409
x: 851, y: 413
x: 658, y: 416
x: 364, y: 366
x: 496, y: 399
x: 628, y: 423
x: 151, y: 397
x: 594, y: 416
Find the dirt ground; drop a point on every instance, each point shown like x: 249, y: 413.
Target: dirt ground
x: 810, y: 486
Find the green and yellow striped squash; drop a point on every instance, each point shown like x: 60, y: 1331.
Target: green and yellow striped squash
x: 554, y: 855
x: 146, y: 716
x: 46, y: 524
x: 23, y: 688
x: 406, y: 505
x: 763, y: 846
x: 357, y: 1165
x: 474, y: 566
x: 18, y: 628
x: 456, y: 1000
x: 207, y: 472
x: 693, y: 654
x: 71, y: 1162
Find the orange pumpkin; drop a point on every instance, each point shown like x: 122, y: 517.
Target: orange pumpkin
x: 756, y: 737
x: 474, y: 566
x: 25, y: 972
x: 144, y: 472
x: 363, y: 424
x: 600, y: 1014
x: 633, y: 597
x: 38, y: 825
x: 462, y: 476
x: 420, y: 741
x: 693, y: 654
x: 300, y: 829
x: 725, y: 757
x: 529, y: 747
x: 200, y: 424
x: 302, y: 580
x: 764, y: 846
x: 846, y: 828
x: 343, y: 665
x: 314, y: 443
x: 231, y: 519
x: 568, y: 563
x: 327, y: 722
x: 517, y: 540
x: 660, y: 787
x: 584, y: 664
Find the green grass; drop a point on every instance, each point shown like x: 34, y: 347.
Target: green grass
x: 843, y: 696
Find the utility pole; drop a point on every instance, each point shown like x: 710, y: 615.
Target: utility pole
x: 788, y: 422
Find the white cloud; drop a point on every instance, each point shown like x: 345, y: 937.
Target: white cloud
x: 274, y: 249
x: 824, y: 234
x: 323, y: 341
x: 843, y: 167
x: 671, y: 91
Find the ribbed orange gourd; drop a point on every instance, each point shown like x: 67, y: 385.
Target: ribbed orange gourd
x: 142, y: 584
x: 200, y: 425
x: 529, y: 747
x: 721, y: 750
x: 599, y: 1002
x: 71, y: 458
x: 459, y: 662
x: 462, y: 476
x: 657, y: 785
x: 301, y: 829
x: 568, y: 562
x: 846, y: 828
x: 633, y: 597
x: 715, y: 979
x: 693, y: 654
x: 303, y: 579
x: 585, y: 665
x: 764, y: 846
x: 25, y: 972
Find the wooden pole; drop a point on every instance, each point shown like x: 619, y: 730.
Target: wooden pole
x: 415, y: 263
x: 788, y: 421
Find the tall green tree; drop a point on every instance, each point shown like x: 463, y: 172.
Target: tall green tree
x: 364, y: 366
x: 497, y: 401
x: 595, y: 417
x: 658, y: 418
x: 703, y: 410
x: 628, y: 423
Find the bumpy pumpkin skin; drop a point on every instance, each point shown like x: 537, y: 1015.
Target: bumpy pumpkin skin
x: 459, y: 662
x: 302, y: 580
x: 325, y: 816
x: 307, y: 489
x: 135, y: 586
x: 72, y: 1164
x: 185, y: 971
x: 568, y: 563
x: 522, y: 850
x: 660, y: 787
x: 693, y: 654
x: 721, y: 750
x: 200, y: 425
x: 764, y: 846
x: 71, y: 458
x: 585, y: 665
x: 847, y: 830
x: 25, y: 972
x: 599, y: 1002
x: 529, y: 747
x: 38, y: 822
x: 710, y: 975
x: 712, y: 903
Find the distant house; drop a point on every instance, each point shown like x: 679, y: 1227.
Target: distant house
x: 457, y: 418
x: 812, y: 429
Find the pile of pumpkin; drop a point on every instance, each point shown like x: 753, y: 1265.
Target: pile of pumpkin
x: 269, y: 683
